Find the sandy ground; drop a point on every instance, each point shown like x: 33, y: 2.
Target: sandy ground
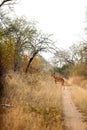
x: 72, y: 117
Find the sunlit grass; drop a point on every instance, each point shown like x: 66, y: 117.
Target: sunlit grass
x: 79, y: 96
x: 36, y: 103
x: 79, y: 81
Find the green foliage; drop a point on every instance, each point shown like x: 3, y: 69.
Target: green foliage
x: 26, y: 38
x: 22, y: 32
x: 63, y: 71
x: 7, y: 49
x: 83, y: 52
x: 73, y: 61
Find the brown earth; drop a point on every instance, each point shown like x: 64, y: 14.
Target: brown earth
x: 73, y: 119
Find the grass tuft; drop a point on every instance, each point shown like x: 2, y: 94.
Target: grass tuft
x: 36, y: 102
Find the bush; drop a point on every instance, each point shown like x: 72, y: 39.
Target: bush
x: 63, y: 71
x: 79, y: 70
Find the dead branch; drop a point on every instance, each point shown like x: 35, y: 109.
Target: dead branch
x: 6, y: 105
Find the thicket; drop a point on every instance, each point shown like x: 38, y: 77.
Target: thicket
x: 72, y: 62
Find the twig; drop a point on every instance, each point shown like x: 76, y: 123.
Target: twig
x: 6, y: 105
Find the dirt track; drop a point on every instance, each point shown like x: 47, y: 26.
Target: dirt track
x: 72, y: 117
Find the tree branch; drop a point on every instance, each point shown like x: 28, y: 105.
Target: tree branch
x: 6, y: 105
x: 4, y: 1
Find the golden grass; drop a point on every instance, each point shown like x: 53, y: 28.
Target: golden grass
x: 78, y: 80
x: 79, y: 96
x: 36, y: 103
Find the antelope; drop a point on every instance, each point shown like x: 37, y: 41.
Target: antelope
x: 58, y: 79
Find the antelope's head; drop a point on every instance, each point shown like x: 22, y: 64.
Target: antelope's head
x: 53, y: 74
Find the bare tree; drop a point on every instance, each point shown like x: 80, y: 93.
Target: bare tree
x: 26, y: 38
x: 22, y: 33
x: 62, y: 57
x: 7, y: 2
x: 40, y: 43
x: 70, y: 56
x: 83, y: 52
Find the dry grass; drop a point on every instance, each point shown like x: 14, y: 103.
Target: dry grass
x: 36, y: 103
x: 78, y: 80
x: 79, y: 96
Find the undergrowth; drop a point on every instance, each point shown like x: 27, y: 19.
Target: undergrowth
x: 34, y: 103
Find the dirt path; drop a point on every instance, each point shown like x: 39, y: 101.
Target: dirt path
x: 73, y: 118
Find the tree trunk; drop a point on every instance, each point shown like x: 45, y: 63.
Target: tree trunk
x: 17, y: 58
x: 30, y: 61
x: 1, y: 74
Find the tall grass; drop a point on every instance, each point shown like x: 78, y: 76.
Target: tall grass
x: 79, y: 96
x: 79, y: 81
x: 35, y: 101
